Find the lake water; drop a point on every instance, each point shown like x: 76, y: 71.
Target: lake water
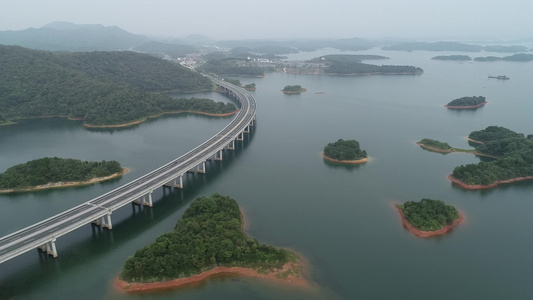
x: 340, y: 218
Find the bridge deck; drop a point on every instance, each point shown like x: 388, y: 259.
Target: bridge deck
x: 48, y: 230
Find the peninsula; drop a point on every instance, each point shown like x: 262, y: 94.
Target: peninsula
x: 208, y: 239
x: 293, y: 89
x: 54, y: 172
x: 345, y: 151
x: 513, y: 150
x: 466, y: 103
x: 429, y: 217
x: 99, y: 88
x: 437, y: 146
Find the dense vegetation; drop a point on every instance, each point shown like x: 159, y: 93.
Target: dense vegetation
x: 515, y: 152
x: 162, y: 49
x: 102, y: 88
x: 229, y: 66
x: 435, y: 144
x: 208, y: 235
x: 236, y: 82
x: 293, y: 89
x: 54, y: 169
x: 520, y: 57
x: 428, y: 214
x: 344, y: 150
x: 346, y: 67
x: 351, y: 57
x: 452, y: 57
x: 467, y: 101
x: 250, y: 86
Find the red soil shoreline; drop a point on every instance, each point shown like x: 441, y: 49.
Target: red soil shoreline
x: 238, y: 271
x: 359, y: 161
x: 466, y: 107
x: 454, y: 151
x: 426, y: 234
x: 473, y: 141
x: 488, y: 186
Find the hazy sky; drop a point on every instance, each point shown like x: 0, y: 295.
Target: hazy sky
x: 277, y: 19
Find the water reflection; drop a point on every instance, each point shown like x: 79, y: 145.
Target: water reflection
x: 347, y: 167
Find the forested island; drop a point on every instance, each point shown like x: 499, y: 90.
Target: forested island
x: 515, y: 159
x: 467, y: 102
x: 208, y: 239
x: 345, y: 151
x: 453, y: 46
x: 429, y: 217
x: 54, y: 172
x: 357, y: 68
x: 100, y: 88
x: 452, y: 57
x: 250, y: 87
x: 520, y: 57
x: 293, y: 89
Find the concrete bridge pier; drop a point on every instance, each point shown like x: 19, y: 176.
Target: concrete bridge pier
x: 149, y: 202
x: 50, y: 248
x: 247, y: 129
x: 180, y: 185
x: 240, y: 137
x: 201, y: 168
x: 252, y: 122
x: 231, y: 145
x: 218, y: 155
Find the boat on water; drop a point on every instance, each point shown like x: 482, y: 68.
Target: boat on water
x: 500, y: 77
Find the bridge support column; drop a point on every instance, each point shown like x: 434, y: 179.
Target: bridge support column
x: 231, y: 145
x: 50, y: 248
x: 240, y: 137
x: 201, y: 168
x: 247, y: 129
x: 106, y: 224
x: 149, y: 202
x: 252, y: 122
x: 218, y: 155
x: 180, y: 185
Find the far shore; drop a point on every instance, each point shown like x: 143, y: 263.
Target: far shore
x: 487, y: 186
x: 358, y: 161
x: 426, y: 234
x: 465, y: 107
x: 54, y: 185
x: 455, y: 150
x: 373, y: 73
x: 156, y: 116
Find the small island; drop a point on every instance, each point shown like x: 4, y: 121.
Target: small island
x: 293, y: 89
x: 429, y: 217
x: 345, y: 151
x: 250, y: 87
x: 453, y: 57
x: 208, y: 240
x: 466, y: 103
x: 54, y: 172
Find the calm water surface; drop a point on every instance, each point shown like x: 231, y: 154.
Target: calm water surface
x: 340, y: 218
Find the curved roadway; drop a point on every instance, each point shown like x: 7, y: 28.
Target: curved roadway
x: 48, y: 230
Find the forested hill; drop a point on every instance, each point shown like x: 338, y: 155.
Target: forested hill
x: 112, y: 87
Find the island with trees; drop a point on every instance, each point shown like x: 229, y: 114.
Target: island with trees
x: 345, y: 151
x: 250, y: 87
x: 101, y: 88
x: 514, y: 153
x: 349, y: 68
x: 453, y: 57
x: 467, y: 102
x: 293, y: 89
x: 207, y: 240
x: 519, y: 57
x: 54, y: 172
x: 429, y: 217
